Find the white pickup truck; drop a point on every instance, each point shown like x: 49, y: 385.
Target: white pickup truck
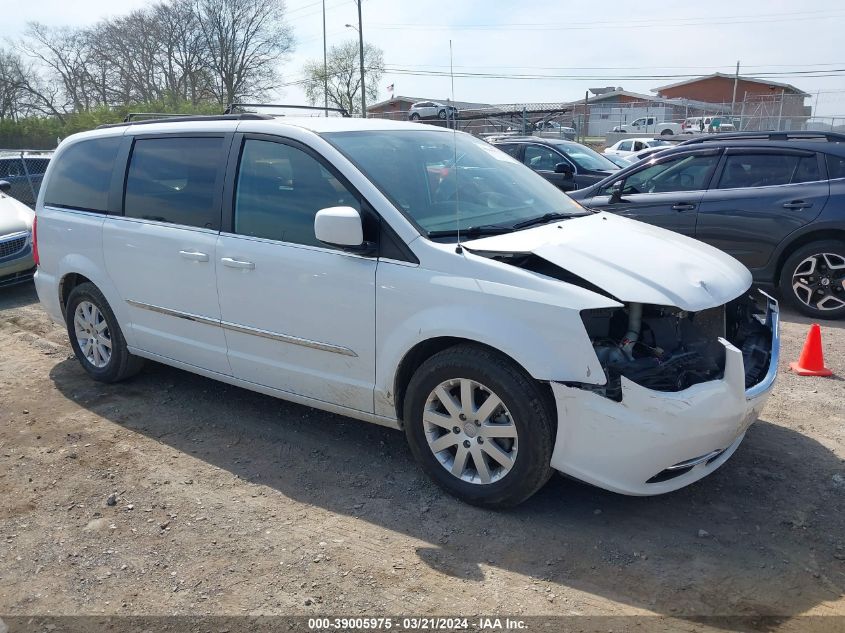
x: 650, y: 124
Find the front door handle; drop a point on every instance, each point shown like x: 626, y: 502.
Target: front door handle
x: 194, y: 256
x: 237, y: 263
x: 797, y: 204
x: 683, y: 206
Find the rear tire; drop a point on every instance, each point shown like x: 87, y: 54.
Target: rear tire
x: 96, y: 337
x: 812, y: 279
x: 497, y: 459
x: 415, y: 116
x: 667, y: 132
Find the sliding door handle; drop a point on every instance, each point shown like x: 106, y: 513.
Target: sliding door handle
x: 237, y: 263
x: 194, y: 256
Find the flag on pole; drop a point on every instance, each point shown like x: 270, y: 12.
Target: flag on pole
x: 390, y: 90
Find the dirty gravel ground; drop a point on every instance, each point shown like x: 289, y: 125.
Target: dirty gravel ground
x: 230, y: 502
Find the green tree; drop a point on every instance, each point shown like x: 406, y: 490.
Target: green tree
x: 342, y: 76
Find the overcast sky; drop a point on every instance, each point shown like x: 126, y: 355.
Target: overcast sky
x: 608, y: 42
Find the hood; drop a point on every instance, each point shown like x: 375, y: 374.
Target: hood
x: 14, y: 216
x: 631, y: 260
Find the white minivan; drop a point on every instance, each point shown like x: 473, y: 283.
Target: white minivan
x: 413, y: 277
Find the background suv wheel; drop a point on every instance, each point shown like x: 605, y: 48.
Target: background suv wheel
x: 479, y: 426
x: 813, y: 279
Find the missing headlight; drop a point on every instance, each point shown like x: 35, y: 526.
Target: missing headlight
x: 668, y: 349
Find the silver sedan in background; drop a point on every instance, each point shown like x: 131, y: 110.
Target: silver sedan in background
x: 16, y: 259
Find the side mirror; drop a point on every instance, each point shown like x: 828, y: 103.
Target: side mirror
x: 342, y: 227
x: 616, y: 192
x: 563, y: 168
x: 5, y: 186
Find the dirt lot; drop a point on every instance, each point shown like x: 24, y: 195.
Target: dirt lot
x: 229, y: 502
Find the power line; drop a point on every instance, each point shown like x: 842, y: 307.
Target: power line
x: 627, y: 23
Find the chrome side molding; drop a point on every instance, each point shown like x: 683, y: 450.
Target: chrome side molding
x: 245, y: 329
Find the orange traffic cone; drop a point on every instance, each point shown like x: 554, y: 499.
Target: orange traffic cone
x: 811, y: 361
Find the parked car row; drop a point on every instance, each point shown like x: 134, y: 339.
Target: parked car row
x: 774, y: 201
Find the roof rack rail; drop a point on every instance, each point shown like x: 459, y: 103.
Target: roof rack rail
x: 231, y: 107
x: 768, y: 135
x: 246, y: 116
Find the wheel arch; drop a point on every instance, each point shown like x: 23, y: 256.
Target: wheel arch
x: 68, y: 282
x: 424, y: 350
x: 818, y: 235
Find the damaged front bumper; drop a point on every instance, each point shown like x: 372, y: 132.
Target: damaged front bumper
x: 653, y: 441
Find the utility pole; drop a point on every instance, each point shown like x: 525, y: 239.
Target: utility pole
x: 361, y: 51
x: 584, y: 123
x: 325, y: 63
x: 736, y: 81
x: 780, y: 111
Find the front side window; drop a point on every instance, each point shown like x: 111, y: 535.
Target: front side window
x: 443, y: 181
x: 625, y: 146
x: 541, y: 158
x: 685, y: 173
x: 585, y: 158
x: 81, y: 177
x: 765, y: 170
x: 280, y: 189
x: 175, y: 180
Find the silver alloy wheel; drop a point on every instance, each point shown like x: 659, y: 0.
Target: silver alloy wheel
x: 470, y: 431
x: 92, y: 334
x: 819, y: 281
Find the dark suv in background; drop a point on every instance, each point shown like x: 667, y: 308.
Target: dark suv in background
x: 566, y: 164
x: 773, y: 200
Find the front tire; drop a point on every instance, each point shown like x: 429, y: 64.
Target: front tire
x: 813, y: 279
x: 441, y: 115
x: 96, y: 337
x: 479, y: 426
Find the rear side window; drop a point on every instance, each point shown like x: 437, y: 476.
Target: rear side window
x: 81, y: 177
x: 835, y: 166
x: 175, y: 180
x: 766, y: 170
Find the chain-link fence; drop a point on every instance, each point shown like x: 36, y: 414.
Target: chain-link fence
x: 24, y: 170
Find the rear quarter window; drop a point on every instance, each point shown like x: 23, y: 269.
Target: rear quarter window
x: 81, y: 176
x: 835, y: 166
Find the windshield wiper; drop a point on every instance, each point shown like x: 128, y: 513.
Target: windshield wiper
x: 547, y: 217
x: 472, y: 231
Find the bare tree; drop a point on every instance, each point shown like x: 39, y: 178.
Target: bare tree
x: 342, y: 76
x: 63, y: 53
x: 245, y: 41
x: 183, y: 56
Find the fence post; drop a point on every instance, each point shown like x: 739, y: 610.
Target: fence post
x: 28, y: 179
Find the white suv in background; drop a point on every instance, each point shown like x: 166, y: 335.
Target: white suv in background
x: 354, y: 266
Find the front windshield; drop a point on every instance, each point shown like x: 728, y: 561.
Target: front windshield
x: 484, y: 188
x: 585, y: 158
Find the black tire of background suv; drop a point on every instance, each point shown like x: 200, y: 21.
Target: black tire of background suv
x: 530, y: 409
x: 122, y: 364
x: 789, y: 266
